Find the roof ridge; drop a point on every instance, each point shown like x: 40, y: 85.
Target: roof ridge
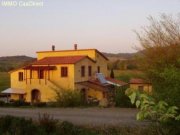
x: 65, y: 56
x: 61, y: 60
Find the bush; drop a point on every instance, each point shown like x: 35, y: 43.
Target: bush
x: 40, y: 104
x: 47, y: 123
x: 18, y: 103
x: 166, y: 85
x: 165, y: 117
x: 2, y: 103
x: 14, y: 103
x: 10, y: 125
x: 121, y: 99
x: 69, y: 98
x: 66, y: 128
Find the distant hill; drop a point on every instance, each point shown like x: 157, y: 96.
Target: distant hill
x: 12, y: 62
x: 119, y: 56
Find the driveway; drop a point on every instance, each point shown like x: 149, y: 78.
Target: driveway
x: 81, y: 116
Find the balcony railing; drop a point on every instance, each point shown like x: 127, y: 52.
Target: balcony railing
x: 47, y: 82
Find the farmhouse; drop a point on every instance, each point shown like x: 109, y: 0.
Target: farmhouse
x: 78, y: 69
x: 140, y: 84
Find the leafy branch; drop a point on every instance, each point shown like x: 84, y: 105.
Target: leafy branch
x: 151, y: 109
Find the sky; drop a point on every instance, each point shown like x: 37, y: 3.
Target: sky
x: 106, y: 25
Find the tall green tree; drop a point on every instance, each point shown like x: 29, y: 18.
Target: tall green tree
x: 160, y: 57
x: 112, y: 73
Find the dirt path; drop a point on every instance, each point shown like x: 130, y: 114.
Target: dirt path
x: 81, y: 116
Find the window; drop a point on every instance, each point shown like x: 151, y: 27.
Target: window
x: 20, y: 76
x: 98, y: 69
x: 41, y: 74
x: 89, y: 70
x: 141, y: 88
x: 64, y: 71
x: 82, y: 71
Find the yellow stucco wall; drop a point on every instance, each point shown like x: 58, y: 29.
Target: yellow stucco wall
x: 86, y: 63
x: 46, y: 87
x: 91, y: 53
x: 91, y: 92
x: 95, y: 93
x: 147, y: 87
x: 100, y: 61
x: 63, y: 82
x: 14, y: 96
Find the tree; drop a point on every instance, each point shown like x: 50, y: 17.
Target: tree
x: 160, y: 57
x: 112, y: 73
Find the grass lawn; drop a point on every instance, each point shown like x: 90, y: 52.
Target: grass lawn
x: 4, y: 80
x: 126, y: 75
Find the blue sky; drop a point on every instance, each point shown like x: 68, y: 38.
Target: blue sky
x: 103, y: 24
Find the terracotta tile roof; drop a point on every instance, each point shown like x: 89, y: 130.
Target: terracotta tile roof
x: 95, y: 84
x: 138, y: 81
x: 116, y: 81
x: 39, y: 67
x: 96, y: 81
x: 60, y: 60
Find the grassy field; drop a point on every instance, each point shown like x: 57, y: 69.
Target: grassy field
x: 4, y: 80
x: 126, y: 75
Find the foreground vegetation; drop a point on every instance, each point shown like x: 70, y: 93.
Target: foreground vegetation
x: 159, y: 112
x: 47, y: 125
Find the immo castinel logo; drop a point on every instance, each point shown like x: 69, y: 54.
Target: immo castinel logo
x: 21, y: 3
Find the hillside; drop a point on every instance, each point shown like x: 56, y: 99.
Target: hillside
x: 11, y: 62
x: 119, y: 56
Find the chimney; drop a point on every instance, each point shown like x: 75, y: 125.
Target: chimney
x: 75, y: 46
x: 53, y: 47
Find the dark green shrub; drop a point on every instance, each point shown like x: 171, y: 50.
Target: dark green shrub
x: 171, y: 127
x: 18, y: 103
x: 121, y: 99
x: 10, y: 125
x: 40, y: 104
x: 166, y: 85
x: 66, y: 128
x: 112, y: 73
x: 166, y: 118
x: 2, y: 103
x: 47, y: 123
x: 69, y: 98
